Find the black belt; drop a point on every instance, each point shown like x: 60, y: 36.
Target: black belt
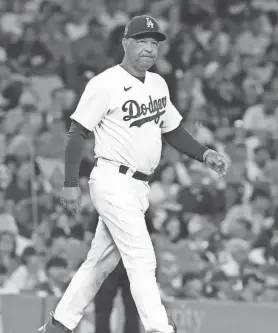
x: 137, y: 174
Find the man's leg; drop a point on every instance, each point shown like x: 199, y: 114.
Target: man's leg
x: 102, y: 258
x: 132, y: 322
x: 104, y: 301
x: 123, y: 213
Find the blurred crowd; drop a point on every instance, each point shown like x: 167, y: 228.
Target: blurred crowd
x: 214, y: 238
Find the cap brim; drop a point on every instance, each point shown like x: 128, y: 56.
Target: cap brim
x: 155, y: 34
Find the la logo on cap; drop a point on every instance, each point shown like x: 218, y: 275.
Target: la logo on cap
x: 149, y: 23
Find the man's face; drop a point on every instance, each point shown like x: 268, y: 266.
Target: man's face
x: 58, y: 274
x: 33, y: 262
x: 59, y: 245
x: 141, y: 51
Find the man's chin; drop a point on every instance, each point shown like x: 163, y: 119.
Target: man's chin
x: 145, y: 66
x: 145, y: 63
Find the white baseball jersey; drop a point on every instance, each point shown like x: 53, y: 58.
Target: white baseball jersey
x: 127, y: 117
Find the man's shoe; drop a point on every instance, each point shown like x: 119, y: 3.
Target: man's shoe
x: 53, y: 326
x: 171, y: 323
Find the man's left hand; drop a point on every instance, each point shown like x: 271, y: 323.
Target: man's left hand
x: 217, y: 162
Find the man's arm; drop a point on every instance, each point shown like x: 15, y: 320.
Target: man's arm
x: 73, y: 153
x: 176, y: 134
x: 178, y: 137
x: 92, y: 107
x: 184, y: 142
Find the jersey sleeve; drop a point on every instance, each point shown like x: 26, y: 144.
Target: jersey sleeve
x: 172, y: 118
x: 92, y: 106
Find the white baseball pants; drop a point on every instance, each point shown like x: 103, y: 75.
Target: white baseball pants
x: 121, y: 202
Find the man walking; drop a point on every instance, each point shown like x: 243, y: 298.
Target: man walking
x: 129, y: 110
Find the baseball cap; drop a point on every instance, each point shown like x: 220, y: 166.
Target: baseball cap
x: 143, y: 24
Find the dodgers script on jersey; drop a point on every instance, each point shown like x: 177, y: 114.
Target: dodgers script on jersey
x: 127, y: 117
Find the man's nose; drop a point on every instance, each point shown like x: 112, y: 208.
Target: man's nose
x: 149, y: 47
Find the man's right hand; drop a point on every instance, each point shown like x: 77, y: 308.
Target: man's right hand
x: 71, y: 198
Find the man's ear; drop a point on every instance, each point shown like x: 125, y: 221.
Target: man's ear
x: 124, y: 43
